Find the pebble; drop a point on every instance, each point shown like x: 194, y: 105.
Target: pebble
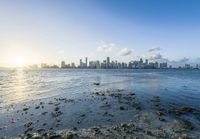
x: 25, y: 109
x: 122, y: 108
x: 96, y: 83
x: 56, y: 109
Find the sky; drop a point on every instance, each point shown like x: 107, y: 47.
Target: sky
x: 36, y: 31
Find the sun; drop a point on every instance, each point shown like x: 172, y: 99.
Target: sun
x: 19, y: 56
x: 18, y: 61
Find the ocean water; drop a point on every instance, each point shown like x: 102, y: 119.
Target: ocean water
x: 20, y: 88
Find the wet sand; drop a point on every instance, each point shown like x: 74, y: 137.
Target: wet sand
x: 101, y: 113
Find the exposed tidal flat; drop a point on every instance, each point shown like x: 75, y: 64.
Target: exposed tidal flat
x: 100, y: 104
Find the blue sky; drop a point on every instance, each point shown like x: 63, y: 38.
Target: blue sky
x: 54, y: 30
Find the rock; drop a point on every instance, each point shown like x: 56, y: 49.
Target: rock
x: 184, y: 137
x: 96, y: 84
x: 40, y: 130
x: 37, y: 107
x: 75, y: 128
x: 148, y: 132
x: 44, y: 124
x: 159, y: 113
x: 28, y: 130
x: 120, y: 90
x: 186, y: 124
x: 161, y: 118
x: 44, y: 113
x: 122, y: 108
x: 56, y: 114
x: 56, y: 104
x: 25, y: 109
x: 34, y: 136
x: 138, y: 108
x: 157, y: 104
x: 106, y: 104
x: 132, y: 94
x: 178, y: 113
x: 70, y: 135
x: 82, y: 115
x: 181, y: 125
x: 78, y: 122
x: 123, y: 125
x: 186, y: 109
x: 50, y: 103
x: 56, y: 109
x: 28, y: 124
x: 55, y: 137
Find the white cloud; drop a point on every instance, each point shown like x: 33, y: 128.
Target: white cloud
x: 155, y: 56
x: 113, y: 49
x: 106, y: 47
x: 184, y: 60
x: 125, y: 52
x: 154, y: 49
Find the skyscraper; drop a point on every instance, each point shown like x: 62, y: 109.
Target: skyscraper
x: 81, y: 63
x: 163, y: 65
x: 108, y: 62
x: 63, y: 64
x: 86, y: 62
x: 146, y: 62
x: 141, y: 61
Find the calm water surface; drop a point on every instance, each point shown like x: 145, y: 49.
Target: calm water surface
x: 18, y: 86
x: 29, y: 87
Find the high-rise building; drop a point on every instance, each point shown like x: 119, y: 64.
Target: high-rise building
x: 108, y: 62
x: 197, y: 66
x: 163, y: 65
x: 73, y: 65
x: 86, y: 62
x: 156, y: 65
x: 141, y: 61
x: 187, y: 66
x: 81, y: 63
x: 44, y: 65
x: 63, y: 64
x: 146, y: 62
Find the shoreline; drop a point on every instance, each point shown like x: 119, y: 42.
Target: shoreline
x: 160, y: 123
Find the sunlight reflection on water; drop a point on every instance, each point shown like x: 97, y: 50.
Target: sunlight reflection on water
x: 19, y: 88
x: 24, y: 85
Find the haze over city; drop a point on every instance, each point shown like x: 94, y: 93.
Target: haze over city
x: 34, y: 32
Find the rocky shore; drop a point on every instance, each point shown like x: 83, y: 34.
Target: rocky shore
x: 152, y: 119
x: 179, y: 130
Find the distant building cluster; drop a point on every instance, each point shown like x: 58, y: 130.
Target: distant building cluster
x: 44, y: 65
x: 188, y: 66
x: 108, y: 64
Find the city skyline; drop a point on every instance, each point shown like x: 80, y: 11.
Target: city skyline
x: 87, y: 62
x: 109, y: 63
x: 50, y: 31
